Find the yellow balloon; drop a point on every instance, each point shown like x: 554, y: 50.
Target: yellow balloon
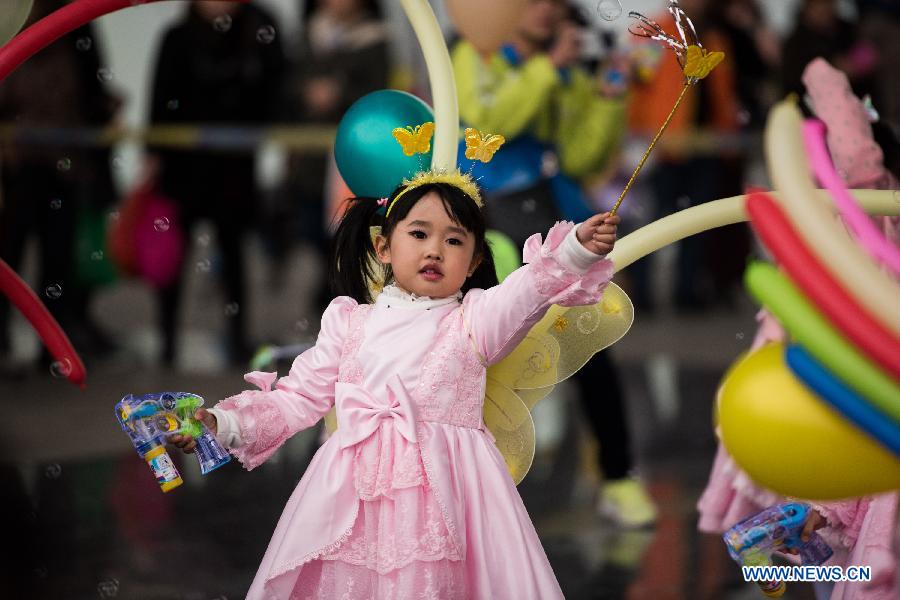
x: 719, y: 213
x: 486, y: 24
x: 13, y: 15
x: 790, y: 441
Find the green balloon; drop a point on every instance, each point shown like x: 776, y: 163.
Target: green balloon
x: 507, y: 257
x: 369, y: 158
x: 810, y: 328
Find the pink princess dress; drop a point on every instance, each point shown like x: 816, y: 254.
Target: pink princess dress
x: 411, y: 497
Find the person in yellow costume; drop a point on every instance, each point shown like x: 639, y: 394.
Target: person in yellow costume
x: 561, y: 125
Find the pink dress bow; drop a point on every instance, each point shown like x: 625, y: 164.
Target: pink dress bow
x: 359, y: 413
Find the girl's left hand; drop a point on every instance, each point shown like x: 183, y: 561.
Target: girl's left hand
x: 814, y: 522
x: 598, y: 234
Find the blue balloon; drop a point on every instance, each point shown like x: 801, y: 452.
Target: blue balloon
x: 853, y: 407
x: 369, y: 158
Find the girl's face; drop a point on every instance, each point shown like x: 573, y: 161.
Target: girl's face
x: 429, y: 253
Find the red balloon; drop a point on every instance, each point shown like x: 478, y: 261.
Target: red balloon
x: 794, y: 256
x: 43, y: 322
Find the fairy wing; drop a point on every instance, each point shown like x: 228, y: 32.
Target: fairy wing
x: 511, y: 426
x: 554, y: 349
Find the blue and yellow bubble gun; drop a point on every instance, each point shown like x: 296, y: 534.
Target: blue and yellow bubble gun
x: 753, y: 541
x: 150, y: 418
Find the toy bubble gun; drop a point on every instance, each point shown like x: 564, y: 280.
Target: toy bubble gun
x: 752, y: 541
x: 148, y: 419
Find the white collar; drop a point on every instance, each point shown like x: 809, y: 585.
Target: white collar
x: 393, y: 297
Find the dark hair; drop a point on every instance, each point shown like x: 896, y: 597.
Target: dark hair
x: 886, y: 137
x: 353, y: 256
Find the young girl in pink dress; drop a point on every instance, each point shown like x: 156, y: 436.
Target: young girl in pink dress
x: 410, y: 498
x: 861, y: 530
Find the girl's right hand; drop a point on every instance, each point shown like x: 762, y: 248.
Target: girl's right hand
x: 186, y: 442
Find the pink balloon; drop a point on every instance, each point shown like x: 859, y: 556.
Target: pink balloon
x: 870, y: 238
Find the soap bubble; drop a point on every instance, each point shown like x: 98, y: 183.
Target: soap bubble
x: 84, y: 43
x: 265, y: 34
x: 53, y: 291
x: 60, y: 369
x: 222, y: 23
x: 108, y: 588
x: 64, y: 164
x: 609, y: 10
x: 104, y: 74
x: 161, y: 224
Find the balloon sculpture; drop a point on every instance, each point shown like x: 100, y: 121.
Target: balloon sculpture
x: 833, y: 397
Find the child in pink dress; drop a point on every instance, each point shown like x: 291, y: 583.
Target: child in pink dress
x: 863, y: 530
x: 410, y: 498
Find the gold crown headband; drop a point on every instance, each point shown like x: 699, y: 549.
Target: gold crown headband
x: 416, y: 140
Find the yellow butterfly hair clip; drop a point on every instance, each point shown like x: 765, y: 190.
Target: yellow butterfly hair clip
x: 415, y: 140
x: 482, y: 146
x: 699, y: 62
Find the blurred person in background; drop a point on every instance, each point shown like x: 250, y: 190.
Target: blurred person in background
x: 880, y: 27
x: 755, y: 54
x: 682, y: 176
x: 562, y: 124
x: 820, y: 31
x: 222, y: 63
x: 47, y: 188
x: 342, y: 56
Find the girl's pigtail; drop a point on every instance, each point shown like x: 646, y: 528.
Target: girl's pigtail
x: 352, y: 256
x: 485, y: 276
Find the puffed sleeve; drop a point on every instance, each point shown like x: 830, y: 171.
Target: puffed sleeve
x: 558, y: 271
x: 267, y: 417
x: 845, y: 517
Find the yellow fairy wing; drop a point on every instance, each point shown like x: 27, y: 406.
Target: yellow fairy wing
x: 509, y: 420
x: 555, y: 348
x: 331, y: 423
x: 531, y: 365
x: 423, y: 137
x: 407, y: 140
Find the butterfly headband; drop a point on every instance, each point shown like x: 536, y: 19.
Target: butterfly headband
x: 415, y: 140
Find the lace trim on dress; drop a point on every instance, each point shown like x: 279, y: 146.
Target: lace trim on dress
x: 390, y: 534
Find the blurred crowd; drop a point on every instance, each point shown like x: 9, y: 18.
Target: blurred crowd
x: 224, y: 64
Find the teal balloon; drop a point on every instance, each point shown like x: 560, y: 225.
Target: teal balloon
x: 369, y: 158
x: 507, y: 257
